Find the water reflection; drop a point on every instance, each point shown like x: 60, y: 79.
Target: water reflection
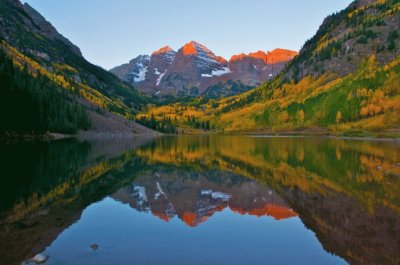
x: 194, y: 197
x: 346, y: 192
x: 45, y: 187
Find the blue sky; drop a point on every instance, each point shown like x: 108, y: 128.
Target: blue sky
x: 110, y: 33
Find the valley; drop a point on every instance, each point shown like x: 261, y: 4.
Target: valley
x: 344, y: 81
x: 233, y: 144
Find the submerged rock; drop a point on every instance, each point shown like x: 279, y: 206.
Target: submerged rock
x: 94, y: 246
x: 39, y: 259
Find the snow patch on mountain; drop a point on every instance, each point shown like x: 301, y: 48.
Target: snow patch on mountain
x: 218, y: 72
x: 217, y: 195
x: 140, y: 192
x: 160, y: 77
x: 160, y: 192
x: 141, y: 76
x: 170, y: 56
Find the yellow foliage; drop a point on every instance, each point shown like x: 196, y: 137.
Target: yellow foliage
x: 64, y: 67
x: 300, y: 116
x: 338, y: 117
x: 284, y: 117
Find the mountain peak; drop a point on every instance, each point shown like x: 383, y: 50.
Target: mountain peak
x: 275, y: 56
x: 164, y: 49
x: 255, y: 55
x: 196, y: 66
x: 42, y: 27
x: 193, y: 48
x: 281, y: 55
x: 259, y: 55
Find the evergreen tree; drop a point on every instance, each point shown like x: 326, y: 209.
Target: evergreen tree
x: 36, y: 104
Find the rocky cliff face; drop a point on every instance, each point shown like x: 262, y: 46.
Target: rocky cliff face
x: 22, y: 17
x: 192, y: 63
x: 259, y: 66
x: 134, y: 71
x: 158, y: 64
x: 48, y: 30
x: 194, y: 69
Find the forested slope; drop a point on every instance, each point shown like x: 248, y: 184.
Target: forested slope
x: 47, y: 85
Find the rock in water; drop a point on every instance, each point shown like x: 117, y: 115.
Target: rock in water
x: 39, y: 258
x: 94, y: 246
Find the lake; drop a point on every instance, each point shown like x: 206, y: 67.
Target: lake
x: 201, y: 200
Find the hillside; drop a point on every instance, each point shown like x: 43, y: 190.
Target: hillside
x: 347, y: 38
x: 346, y: 79
x: 65, y: 92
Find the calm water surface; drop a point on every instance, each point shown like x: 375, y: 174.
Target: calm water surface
x: 201, y: 200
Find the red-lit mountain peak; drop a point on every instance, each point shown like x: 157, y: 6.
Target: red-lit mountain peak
x: 193, y: 219
x: 164, y: 49
x: 280, y: 56
x: 162, y: 216
x: 195, y: 48
x: 190, y: 219
x: 194, y: 69
x: 254, y: 55
x: 278, y: 212
x: 272, y: 57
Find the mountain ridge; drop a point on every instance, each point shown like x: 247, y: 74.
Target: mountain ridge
x: 344, y: 81
x: 194, y: 69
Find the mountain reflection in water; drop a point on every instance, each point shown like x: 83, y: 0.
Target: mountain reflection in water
x: 284, y: 200
x: 194, y: 197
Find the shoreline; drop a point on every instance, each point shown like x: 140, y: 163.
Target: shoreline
x: 387, y: 135
x: 367, y: 138
x: 88, y: 135
x: 81, y: 135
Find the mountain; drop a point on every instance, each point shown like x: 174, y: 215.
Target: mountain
x: 200, y: 196
x: 192, y: 64
x: 159, y: 61
x: 346, y: 39
x: 49, y: 86
x: 345, y: 80
x: 259, y: 66
x: 195, y: 70
x: 44, y: 27
x: 134, y: 71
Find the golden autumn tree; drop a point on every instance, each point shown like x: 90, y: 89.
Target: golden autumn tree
x: 284, y: 117
x: 300, y: 116
x: 338, y: 117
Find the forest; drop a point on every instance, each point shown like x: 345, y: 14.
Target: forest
x: 35, y: 104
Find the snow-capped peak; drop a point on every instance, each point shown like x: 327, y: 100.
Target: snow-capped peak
x: 194, y: 48
x: 138, y: 68
x: 167, y: 53
x: 208, y: 63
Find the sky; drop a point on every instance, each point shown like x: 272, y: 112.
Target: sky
x: 110, y: 33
